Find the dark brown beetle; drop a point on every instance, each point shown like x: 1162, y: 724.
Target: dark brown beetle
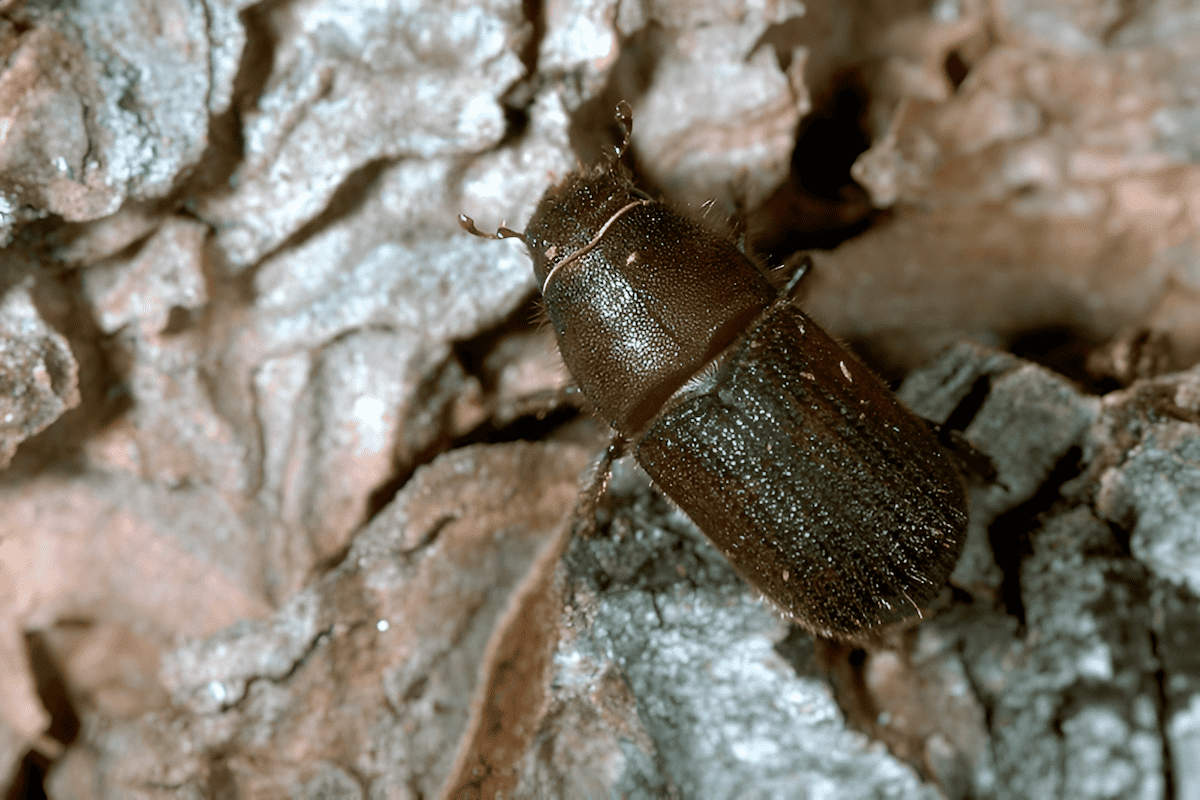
x: 825, y: 493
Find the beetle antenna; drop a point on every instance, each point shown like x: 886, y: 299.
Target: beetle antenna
x: 468, y: 225
x: 624, y: 117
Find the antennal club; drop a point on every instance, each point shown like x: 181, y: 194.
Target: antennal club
x: 624, y: 117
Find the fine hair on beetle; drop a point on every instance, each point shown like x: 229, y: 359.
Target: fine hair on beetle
x: 828, y: 496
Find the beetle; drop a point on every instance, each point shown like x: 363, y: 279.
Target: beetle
x: 824, y: 492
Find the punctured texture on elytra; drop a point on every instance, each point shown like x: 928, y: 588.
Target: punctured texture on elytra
x: 825, y: 493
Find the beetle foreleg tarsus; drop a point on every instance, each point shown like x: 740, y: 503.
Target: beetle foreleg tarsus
x: 597, y: 484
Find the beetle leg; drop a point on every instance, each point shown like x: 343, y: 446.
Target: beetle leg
x: 589, y: 498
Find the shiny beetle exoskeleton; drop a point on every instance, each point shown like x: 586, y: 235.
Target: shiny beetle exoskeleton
x: 825, y: 493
